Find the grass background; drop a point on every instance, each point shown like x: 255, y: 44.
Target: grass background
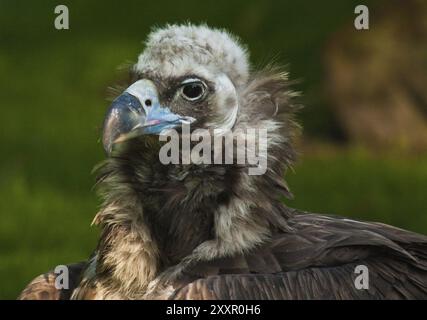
x: 52, y: 92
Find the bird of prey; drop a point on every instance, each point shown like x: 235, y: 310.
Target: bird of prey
x: 213, y: 231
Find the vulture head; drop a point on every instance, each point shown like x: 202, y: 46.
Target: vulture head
x: 186, y: 75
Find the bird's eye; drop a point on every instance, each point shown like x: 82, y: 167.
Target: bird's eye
x: 193, y: 91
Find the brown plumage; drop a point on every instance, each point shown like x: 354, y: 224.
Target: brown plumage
x: 214, y: 231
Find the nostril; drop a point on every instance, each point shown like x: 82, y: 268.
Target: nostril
x: 148, y: 102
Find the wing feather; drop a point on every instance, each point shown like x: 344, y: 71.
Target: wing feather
x: 318, y: 261
x: 328, y: 283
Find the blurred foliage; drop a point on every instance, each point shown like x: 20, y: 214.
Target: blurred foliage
x: 53, y: 89
x: 375, y: 82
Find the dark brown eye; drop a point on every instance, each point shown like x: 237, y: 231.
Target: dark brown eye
x: 193, y: 91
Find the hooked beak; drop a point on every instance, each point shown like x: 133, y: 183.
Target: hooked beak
x: 137, y: 111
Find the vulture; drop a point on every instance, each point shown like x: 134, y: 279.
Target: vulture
x: 207, y: 231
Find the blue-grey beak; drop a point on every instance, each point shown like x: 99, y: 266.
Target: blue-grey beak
x: 136, y: 112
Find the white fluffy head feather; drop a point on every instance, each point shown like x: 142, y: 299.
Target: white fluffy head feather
x: 180, y: 49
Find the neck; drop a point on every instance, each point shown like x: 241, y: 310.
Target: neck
x: 155, y: 216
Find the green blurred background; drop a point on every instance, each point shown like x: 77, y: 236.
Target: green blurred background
x: 53, y: 89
